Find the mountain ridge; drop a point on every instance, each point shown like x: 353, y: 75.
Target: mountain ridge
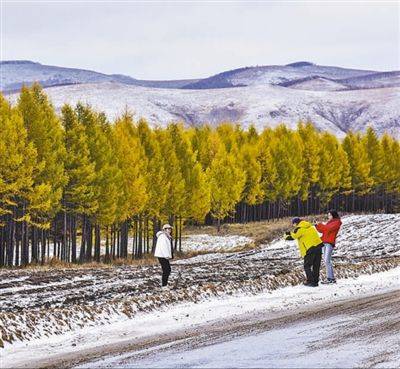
x: 16, y: 73
x: 334, y: 99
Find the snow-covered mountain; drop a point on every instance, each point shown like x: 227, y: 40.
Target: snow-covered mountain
x: 275, y: 74
x: 334, y: 111
x: 334, y: 99
x: 15, y: 73
x: 299, y: 75
x: 375, y: 80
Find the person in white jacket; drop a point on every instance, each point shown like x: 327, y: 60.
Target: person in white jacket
x: 164, y: 251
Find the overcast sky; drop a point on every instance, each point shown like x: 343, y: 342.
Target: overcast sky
x: 171, y: 40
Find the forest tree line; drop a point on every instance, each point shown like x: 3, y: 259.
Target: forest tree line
x: 79, y: 188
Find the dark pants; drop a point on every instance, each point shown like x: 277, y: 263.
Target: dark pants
x: 312, y: 264
x: 166, y: 270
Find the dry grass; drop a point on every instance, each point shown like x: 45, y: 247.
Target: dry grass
x: 55, y: 263
x: 260, y: 232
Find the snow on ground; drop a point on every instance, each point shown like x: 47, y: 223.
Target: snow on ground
x: 383, y: 232
x: 206, y: 242
x: 298, y: 346
x: 366, y: 235
x: 195, y: 242
x: 171, y: 318
x: 35, y: 304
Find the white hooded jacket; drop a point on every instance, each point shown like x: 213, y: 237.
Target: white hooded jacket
x: 163, y: 246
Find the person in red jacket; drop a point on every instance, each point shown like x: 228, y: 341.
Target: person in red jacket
x: 329, y: 232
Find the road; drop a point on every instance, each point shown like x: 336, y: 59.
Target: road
x: 361, y: 332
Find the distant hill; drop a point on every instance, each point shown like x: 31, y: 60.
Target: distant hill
x: 335, y: 99
x: 15, y: 73
x: 275, y: 74
x: 333, y: 111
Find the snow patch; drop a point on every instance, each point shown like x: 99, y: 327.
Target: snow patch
x: 206, y: 242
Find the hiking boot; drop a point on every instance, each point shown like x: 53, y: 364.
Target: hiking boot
x: 329, y: 281
x: 309, y: 284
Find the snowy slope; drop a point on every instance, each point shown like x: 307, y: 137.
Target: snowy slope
x: 357, y: 335
x: 315, y: 83
x: 334, y: 99
x: 50, y: 301
x: 123, y: 333
x: 15, y: 73
x: 375, y: 80
x: 333, y: 111
x: 275, y: 74
x: 207, y: 243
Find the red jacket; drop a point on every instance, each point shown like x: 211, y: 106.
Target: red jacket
x: 329, y: 230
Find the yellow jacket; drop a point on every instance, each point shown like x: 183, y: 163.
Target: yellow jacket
x: 306, y: 236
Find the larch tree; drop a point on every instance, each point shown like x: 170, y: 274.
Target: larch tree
x: 360, y: 165
x: 227, y: 181
x: 286, y: 149
x: 252, y: 192
x: 18, y: 195
x: 268, y: 169
x: 132, y: 163
x: 45, y: 132
x: 311, y: 157
x: 375, y: 156
x: 175, y: 199
x: 80, y: 199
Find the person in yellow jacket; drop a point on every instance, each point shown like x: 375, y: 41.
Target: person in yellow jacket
x: 310, y: 247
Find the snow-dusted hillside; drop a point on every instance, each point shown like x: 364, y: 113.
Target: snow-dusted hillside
x: 275, y: 74
x: 40, y: 309
x: 376, y: 80
x: 334, y: 99
x: 15, y: 73
x: 315, y: 83
x: 334, y: 111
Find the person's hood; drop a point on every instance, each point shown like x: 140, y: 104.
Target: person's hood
x: 304, y: 224
x: 159, y: 233
x: 335, y: 220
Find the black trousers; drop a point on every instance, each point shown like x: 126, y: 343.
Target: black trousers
x: 166, y: 270
x: 312, y: 264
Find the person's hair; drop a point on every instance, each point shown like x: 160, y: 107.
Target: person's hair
x: 334, y: 214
